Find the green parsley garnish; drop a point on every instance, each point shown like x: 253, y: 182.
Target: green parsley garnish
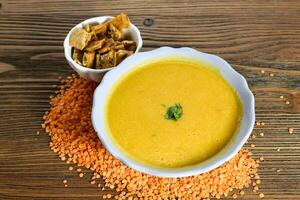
x: 174, y: 112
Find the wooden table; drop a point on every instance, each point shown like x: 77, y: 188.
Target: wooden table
x: 251, y: 35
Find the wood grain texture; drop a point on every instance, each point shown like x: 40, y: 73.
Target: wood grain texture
x: 251, y: 35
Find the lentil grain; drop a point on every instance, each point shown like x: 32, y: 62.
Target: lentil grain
x: 290, y: 130
x: 262, y: 134
x: 261, y: 195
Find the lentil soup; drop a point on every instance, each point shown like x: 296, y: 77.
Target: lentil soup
x: 172, y: 113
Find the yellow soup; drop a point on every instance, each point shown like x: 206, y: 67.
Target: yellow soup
x: 137, y: 106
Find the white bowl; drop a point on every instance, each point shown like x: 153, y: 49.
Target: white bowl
x: 237, y: 81
x: 96, y: 74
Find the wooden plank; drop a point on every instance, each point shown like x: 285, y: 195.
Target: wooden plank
x: 251, y: 35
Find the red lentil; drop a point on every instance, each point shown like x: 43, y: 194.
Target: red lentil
x: 72, y: 136
x: 290, y: 130
x: 262, y: 134
x: 261, y: 195
x: 261, y: 158
x: 78, y: 170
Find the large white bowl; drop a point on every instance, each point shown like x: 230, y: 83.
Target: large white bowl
x: 96, y: 74
x: 237, y: 81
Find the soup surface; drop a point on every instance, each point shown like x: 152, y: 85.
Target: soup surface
x: 137, y: 121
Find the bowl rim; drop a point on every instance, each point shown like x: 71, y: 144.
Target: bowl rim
x: 98, y: 114
x: 99, y: 19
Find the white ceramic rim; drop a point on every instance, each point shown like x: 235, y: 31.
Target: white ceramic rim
x: 237, y: 81
x: 101, y: 19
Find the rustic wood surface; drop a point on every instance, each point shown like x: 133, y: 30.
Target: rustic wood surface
x: 251, y: 35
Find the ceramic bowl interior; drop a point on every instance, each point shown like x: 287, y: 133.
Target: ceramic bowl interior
x: 132, y: 33
x: 236, y: 80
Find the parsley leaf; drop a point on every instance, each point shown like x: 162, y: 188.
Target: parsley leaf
x: 174, y: 112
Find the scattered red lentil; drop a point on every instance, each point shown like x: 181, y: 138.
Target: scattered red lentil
x: 65, y: 181
x: 70, y: 168
x: 93, y: 182
x: 281, y: 97
x: 278, y: 149
x: 262, y: 123
x: 271, y: 75
x: 262, y: 71
x: 287, y: 102
x: 262, y: 134
x: 66, y: 185
x: 252, y: 145
x: 290, y: 130
x: 261, y: 158
x: 278, y: 170
x: 72, y: 136
x: 261, y: 195
x: 78, y: 170
x: 37, y: 132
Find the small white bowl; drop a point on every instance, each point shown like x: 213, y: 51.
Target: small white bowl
x: 237, y: 81
x: 96, y: 74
